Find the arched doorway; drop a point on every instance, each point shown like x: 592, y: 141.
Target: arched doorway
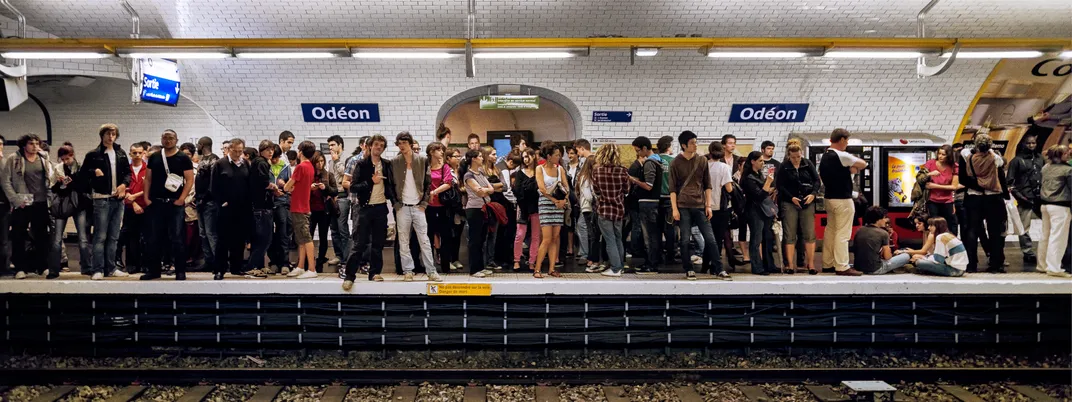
x: 557, y: 119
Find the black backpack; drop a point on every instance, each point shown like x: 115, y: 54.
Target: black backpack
x: 734, y: 202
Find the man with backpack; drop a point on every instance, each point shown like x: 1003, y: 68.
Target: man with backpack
x: 647, y: 188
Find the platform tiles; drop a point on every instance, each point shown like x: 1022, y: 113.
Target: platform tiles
x: 569, y: 284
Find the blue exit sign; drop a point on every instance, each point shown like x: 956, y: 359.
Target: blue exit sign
x: 768, y: 113
x: 612, y: 117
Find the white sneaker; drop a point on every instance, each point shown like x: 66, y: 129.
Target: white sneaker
x: 592, y: 269
x: 295, y: 272
x: 696, y: 260
x: 45, y: 273
x: 284, y: 270
x: 456, y: 265
x: 434, y: 277
x: 483, y: 274
x: 347, y: 285
x: 20, y: 275
x: 610, y: 272
x: 308, y: 275
x: 408, y: 277
x: 119, y: 274
x: 334, y: 261
x: 1059, y: 274
x: 97, y: 276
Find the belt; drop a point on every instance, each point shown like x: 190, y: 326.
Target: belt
x: 408, y: 205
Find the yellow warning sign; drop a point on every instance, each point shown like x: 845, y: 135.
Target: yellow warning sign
x: 459, y: 289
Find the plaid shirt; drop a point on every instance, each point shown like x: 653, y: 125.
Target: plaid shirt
x: 611, y: 184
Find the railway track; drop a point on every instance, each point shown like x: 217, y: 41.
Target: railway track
x: 478, y: 385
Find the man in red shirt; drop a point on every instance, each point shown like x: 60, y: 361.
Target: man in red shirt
x: 134, y: 217
x: 299, y: 187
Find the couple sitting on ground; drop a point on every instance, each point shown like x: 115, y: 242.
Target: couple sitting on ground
x: 942, y: 254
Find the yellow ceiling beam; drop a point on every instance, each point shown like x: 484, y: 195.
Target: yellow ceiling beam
x: 112, y: 45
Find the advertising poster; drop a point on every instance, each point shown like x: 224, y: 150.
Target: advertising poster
x: 902, y: 168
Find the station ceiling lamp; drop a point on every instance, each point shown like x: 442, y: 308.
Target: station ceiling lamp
x: 44, y: 55
x: 289, y: 53
x: 175, y: 53
x: 646, y: 51
x: 404, y: 54
x: 529, y: 53
x: 872, y: 54
x: 995, y: 54
x: 760, y: 53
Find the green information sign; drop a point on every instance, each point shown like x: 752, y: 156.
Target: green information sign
x: 510, y: 102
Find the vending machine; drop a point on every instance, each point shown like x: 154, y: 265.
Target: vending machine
x: 893, y: 160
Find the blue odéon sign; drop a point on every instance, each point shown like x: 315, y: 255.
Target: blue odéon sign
x: 341, y: 112
x: 768, y: 113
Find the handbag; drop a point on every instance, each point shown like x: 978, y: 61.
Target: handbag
x: 173, y: 182
x: 450, y: 197
x: 64, y: 206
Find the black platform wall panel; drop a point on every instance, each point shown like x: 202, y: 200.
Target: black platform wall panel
x: 77, y: 322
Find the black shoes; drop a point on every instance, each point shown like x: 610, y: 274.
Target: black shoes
x: 149, y: 277
x: 217, y: 276
x: 180, y: 276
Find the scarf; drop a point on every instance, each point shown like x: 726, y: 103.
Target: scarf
x: 985, y: 168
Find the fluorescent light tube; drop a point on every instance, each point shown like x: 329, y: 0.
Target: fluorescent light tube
x: 179, y: 55
x: 756, y: 55
x: 53, y: 55
x: 1067, y: 54
x: 647, y: 51
x: 1013, y: 54
x: 285, y: 55
x: 523, y: 55
x: 403, y: 55
x: 872, y: 54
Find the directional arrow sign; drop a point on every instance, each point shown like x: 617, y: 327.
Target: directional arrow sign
x: 612, y: 117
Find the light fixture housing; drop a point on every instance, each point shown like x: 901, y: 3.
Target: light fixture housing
x: 289, y: 53
x: 873, y: 54
x: 530, y: 53
x: 646, y: 51
x: 39, y: 55
x: 1067, y: 54
x: 175, y: 53
x: 995, y: 54
x: 404, y: 53
x: 760, y: 53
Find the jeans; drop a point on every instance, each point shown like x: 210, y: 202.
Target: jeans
x: 489, y: 241
x: 582, y: 238
x: 232, y: 225
x: 85, y: 254
x: 596, y: 250
x: 1026, y: 214
x: 371, y: 230
x: 1055, y: 225
x: 925, y: 266
x: 260, y: 238
x: 666, y: 219
x: 936, y: 210
x: 320, y: 222
x: 893, y: 263
x: 612, y: 234
x: 279, y: 250
x: 441, y: 222
x: 720, y: 224
x: 168, y: 223
x: 107, y: 220
x: 206, y: 221
x: 409, y: 219
x: 647, y: 219
x: 28, y: 258
x: 132, y: 239
x: 519, y: 238
x: 696, y: 217
x: 762, y: 241
x: 991, y: 210
x: 5, y: 231
x: 340, y: 231
x: 478, y: 234
x: 840, y: 213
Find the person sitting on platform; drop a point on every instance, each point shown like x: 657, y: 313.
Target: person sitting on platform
x: 922, y: 223
x: 873, y: 255
x: 949, y: 258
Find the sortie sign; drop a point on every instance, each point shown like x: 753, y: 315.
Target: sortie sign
x: 768, y: 113
x: 612, y: 117
x: 341, y: 112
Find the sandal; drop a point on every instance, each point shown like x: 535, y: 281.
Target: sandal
x: 555, y: 274
x: 789, y: 271
x: 813, y: 271
x: 537, y: 275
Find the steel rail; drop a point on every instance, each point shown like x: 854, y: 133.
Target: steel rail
x: 524, y: 376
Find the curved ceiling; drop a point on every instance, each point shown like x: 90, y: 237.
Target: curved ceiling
x: 549, y: 18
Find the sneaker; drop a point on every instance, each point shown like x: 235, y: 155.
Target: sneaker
x: 849, y: 272
x: 285, y: 270
x: 342, y: 274
x: 1060, y: 274
x: 334, y: 261
x: 696, y: 260
x: 408, y: 277
x: 97, y: 276
x: 46, y: 273
x: 365, y: 269
x: 434, y: 277
x: 294, y: 273
x: 483, y: 274
x: 347, y: 285
x: 308, y: 275
x: 592, y: 269
x: 611, y: 273
x: 256, y: 273
x: 691, y: 275
x: 119, y: 274
x: 724, y: 276
x: 456, y: 265
x: 52, y: 275
x: 647, y: 271
x: 377, y: 278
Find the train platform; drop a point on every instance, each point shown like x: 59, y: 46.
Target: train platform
x: 580, y: 284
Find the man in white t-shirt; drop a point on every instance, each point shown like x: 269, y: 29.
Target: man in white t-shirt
x: 721, y: 181
x: 411, y: 181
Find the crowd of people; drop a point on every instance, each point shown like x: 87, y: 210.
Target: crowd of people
x: 163, y: 209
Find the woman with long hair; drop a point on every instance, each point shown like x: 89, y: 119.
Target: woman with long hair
x: 440, y: 218
x: 67, y: 187
x: 922, y: 224
x: 454, y: 160
x: 479, y: 189
x: 798, y: 184
x: 1056, y: 199
x: 321, y: 198
x: 588, y: 230
x: 949, y: 258
x: 944, y: 181
x: 610, y: 184
x: 760, y: 221
x: 528, y: 217
x: 554, y: 194
x: 490, y: 156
